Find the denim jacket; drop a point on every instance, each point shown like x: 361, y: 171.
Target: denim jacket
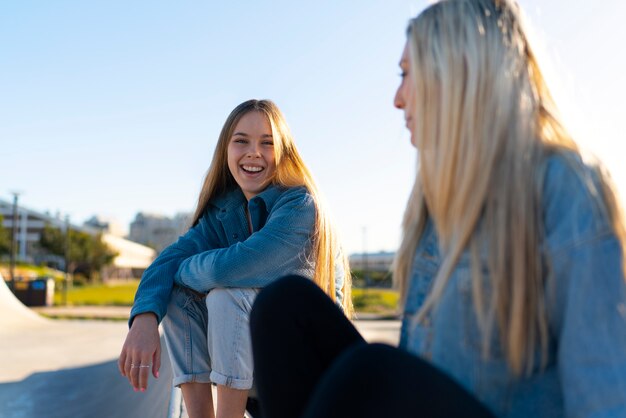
x: 585, y: 293
x: 220, y: 251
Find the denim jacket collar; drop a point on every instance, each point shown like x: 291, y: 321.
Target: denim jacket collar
x: 235, y: 198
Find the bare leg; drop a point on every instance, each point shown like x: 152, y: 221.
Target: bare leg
x: 231, y: 403
x: 198, y: 400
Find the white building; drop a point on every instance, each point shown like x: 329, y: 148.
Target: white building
x: 30, y: 225
x: 380, y: 261
x: 132, y: 258
x: 158, y: 231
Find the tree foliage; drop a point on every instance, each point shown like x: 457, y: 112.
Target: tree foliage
x: 5, y: 239
x: 87, y: 253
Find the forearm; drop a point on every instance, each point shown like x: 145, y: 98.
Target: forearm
x: 154, y: 290
x: 156, y: 284
x: 282, y: 246
x: 226, y: 273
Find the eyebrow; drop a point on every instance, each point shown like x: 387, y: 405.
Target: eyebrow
x: 245, y: 134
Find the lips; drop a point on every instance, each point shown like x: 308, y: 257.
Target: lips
x: 251, y: 169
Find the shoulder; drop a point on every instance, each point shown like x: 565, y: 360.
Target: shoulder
x: 572, y: 200
x: 297, y: 197
x: 226, y: 200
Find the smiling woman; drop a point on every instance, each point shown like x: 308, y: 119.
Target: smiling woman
x: 251, y: 154
x: 258, y: 218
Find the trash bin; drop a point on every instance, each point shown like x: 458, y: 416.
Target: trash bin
x: 38, y: 292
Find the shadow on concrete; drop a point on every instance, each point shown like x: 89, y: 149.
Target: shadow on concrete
x: 97, y: 391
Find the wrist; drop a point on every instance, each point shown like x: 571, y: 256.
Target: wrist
x: 145, y: 318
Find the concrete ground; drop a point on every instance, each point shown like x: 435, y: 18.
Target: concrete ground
x: 68, y: 368
x: 62, y: 369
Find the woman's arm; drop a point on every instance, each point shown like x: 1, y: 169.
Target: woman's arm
x: 277, y: 249
x: 592, y: 328
x: 586, y: 292
x: 141, y: 352
x: 157, y: 281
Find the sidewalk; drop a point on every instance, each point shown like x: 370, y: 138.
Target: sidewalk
x: 119, y: 313
x: 123, y: 312
x: 374, y: 327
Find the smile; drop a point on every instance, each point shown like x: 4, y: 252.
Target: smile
x: 251, y: 168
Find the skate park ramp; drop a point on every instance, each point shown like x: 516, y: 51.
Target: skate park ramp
x: 13, y: 314
x: 63, y: 368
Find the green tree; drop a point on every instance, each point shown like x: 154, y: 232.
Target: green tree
x: 5, y: 239
x: 87, y: 253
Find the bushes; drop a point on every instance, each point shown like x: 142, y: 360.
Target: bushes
x: 118, y: 294
x: 381, y: 301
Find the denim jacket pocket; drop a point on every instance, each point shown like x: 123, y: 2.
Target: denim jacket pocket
x: 416, y: 337
x: 461, y: 294
x: 186, y: 299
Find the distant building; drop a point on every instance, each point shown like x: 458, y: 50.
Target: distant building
x: 131, y: 260
x: 380, y: 261
x: 158, y: 231
x: 105, y: 225
x: 30, y: 225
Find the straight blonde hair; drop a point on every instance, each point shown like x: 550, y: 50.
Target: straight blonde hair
x: 290, y: 172
x: 487, y: 122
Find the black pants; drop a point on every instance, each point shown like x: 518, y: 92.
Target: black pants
x: 310, y: 362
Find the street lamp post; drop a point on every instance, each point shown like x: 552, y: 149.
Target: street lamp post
x: 13, y: 237
x: 67, y: 258
x: 366, y: 275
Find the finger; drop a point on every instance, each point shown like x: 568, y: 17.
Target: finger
x: 144, y: 373
x: 134, y: 374
x: 156, y: 361
x: 121, y: 363
x: 128, y: 368
x: 132, y: 371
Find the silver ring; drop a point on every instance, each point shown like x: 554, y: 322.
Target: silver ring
x: 141, y: 366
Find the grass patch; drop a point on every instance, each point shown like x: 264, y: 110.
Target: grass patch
x: 115, y: 294
x: 372, y: 300
x: 86, y: 317
x: 365, y: 300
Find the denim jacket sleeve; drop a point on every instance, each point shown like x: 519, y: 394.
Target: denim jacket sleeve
x: 587, y: 309
x: 278, y: 248
x: 157, y: 281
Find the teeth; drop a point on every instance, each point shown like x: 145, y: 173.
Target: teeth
x: 252, y: 168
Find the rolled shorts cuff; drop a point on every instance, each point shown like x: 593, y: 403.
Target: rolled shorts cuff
x: 231, y: 382
x: 192, y: 378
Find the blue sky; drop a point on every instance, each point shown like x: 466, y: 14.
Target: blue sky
x: 114, y: 107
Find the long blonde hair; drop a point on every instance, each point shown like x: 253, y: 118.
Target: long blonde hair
x: 290, y: 172
x: 486, y: 123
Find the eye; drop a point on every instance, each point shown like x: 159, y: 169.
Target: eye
x: 270, y: 143
x: 240, y: 141
x: 403, y: 74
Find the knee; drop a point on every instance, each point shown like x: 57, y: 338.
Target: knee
x: 227, y: 301
x: 368, y: 362
x: 219, y: 299
x: 280, y: 297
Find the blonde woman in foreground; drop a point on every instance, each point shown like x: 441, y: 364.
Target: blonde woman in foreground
x: 259, y: 218
x: 511, y: 266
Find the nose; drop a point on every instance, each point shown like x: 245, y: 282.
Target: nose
x: 398, y: 100
x: 253, y: 151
